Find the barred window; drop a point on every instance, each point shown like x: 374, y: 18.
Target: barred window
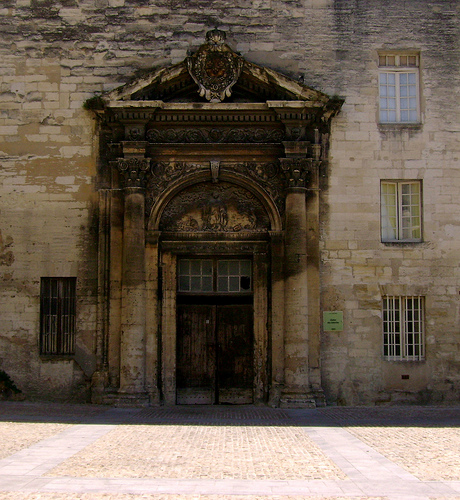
x: 57, y: 316
x: 399, y: 88
x: 403, y: 328
x: 401, y: 211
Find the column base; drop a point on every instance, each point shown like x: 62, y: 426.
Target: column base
x: 298, y: 399
x: 127, y: 400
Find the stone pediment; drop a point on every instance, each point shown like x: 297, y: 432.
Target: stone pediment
x: 215, y: 73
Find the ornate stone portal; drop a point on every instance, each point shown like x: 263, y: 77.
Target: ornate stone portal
x: 209, y: 187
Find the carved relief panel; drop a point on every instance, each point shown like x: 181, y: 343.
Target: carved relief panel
x: 221, y: 207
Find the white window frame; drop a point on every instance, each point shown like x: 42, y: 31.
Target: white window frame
x: 403, y: 328
x: 398, y: 211
x: 394, y: 66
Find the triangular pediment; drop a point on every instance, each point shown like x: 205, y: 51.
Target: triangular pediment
x: 212, y: 67
x: 255, y: 84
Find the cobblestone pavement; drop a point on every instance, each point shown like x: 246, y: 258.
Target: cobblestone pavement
x: 86, y: 452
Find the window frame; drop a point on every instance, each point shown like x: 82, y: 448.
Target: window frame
x: 58, y: 304
x: 400, y: 215
x: 393, y: 63
x: 399, y: 332
x: 215, y: 276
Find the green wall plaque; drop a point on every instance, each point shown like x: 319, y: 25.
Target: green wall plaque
x: 333, y: 321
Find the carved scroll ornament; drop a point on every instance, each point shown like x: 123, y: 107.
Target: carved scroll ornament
x: 215, y: 67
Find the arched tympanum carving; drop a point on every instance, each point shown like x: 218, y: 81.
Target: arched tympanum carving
x: 221, y: 207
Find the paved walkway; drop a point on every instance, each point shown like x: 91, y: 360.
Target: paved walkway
x: 51, y: 452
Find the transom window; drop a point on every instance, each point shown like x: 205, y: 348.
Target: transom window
x: 401, y: 211
x: 399, y: 88
x: 57, y: 316
x: 215, y: 275
x: 403, y: 328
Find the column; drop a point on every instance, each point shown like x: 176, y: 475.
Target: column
x: 296, y: 392
x: 133, y: 173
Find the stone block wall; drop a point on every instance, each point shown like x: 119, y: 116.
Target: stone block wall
x: 56, y: 54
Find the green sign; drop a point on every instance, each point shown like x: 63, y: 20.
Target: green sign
x: 333, y: 321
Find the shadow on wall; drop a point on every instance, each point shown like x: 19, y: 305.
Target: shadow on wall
x: 8, y: 389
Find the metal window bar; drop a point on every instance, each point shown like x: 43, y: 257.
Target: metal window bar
x: 413, y: 329
x: 58, y: 315
x: 403, y: 328
x: 391, y: 327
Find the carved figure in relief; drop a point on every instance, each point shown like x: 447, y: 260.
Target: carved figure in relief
x: 219, y: 207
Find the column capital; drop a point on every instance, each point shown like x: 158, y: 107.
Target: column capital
x: 134, y: 172
x: 298, y: 172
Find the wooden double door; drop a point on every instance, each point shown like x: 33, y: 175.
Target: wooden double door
x: 214, y: 352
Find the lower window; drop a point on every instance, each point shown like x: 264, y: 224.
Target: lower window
x: 57, y: 316
x: 403, y: 328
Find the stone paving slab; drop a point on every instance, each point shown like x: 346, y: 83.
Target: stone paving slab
x: 346, y: 447
x: 123, y: 496
x: 207, y: 452
x: 16, y: 436
x: 431, y: 454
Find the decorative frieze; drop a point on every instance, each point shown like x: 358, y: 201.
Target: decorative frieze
x: 215, y: 135
x: 134, y: 172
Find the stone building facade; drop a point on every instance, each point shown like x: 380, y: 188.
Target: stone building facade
x: 254, y: 202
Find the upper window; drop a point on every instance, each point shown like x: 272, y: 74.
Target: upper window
x: 399, y: 88
x: 209, y: 275
x: 403, y: 328
x: 57, y: 315
x: 401, y: 211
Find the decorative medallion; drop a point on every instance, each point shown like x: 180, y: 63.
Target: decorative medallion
x: 215, y: 67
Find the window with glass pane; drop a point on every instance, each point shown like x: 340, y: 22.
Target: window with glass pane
x: 212, y: 275
x: 403, y: 328
x: 195, y: 275
x: 57, y: 315
x: 398, y: 89
x: 401, y: 211
x: 234, y: 276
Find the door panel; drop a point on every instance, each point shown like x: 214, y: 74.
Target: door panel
x: 195, y: 354
x: 234, y: 354
x: 207, y: 374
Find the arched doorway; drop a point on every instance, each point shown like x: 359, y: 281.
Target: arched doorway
x: 215, y: 234
x: 187, y: 179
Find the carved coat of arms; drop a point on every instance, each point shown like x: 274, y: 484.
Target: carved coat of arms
x: 215, y: 67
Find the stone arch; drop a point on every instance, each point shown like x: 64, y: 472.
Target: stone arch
x: 242, y: 182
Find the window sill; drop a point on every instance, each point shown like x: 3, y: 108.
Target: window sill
x: 405, y: 360
x: 56, y: 357
x: 392, y: 127
x: 402, y: 243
